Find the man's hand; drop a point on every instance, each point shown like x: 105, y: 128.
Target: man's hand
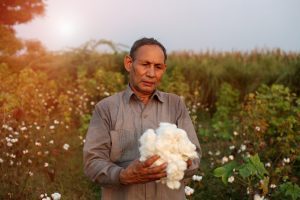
x: 189, y: 163
x: 143, y: 172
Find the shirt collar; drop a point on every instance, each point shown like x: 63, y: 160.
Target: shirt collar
x: 157, y: 94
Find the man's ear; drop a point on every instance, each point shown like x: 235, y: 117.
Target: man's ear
x: 128, y: 63
x: 165, y: 68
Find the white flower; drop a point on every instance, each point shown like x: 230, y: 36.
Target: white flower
x: 268, y: 164
x: 217, y: 153
x: 9, y: 144
x: 188, y: 190
x: 38, y: 128
x: 224, y: 160
x: 243, y: 147
x: 197, y: 178
x: 230, y: 179
x: 232, y: 147
x: 235, y: 133
x: 51, y: 142
x: 5, y: 126
x: 31, y: 174
x: 273, y: 186
x: 66, y: 147
x: 286, y: 160
x: 23, y: 128
x: 38, y: 144
x: 25, y: 151
x: 52, y: 127
x: 210, y: 153
x: 46, y: 164
x: 56, y: 121
x: 92, y: 103
x: 231, y: 157
x: 106, y: 93
x: 248, y: 190
x: 29, y: 161
x: 257, y: 128
x: 14, y: 140
x: 257, y: 197
x: 56, y: 196
x: 1, y: 160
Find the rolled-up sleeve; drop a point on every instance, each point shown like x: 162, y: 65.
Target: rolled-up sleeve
x: 184, y: 122
x: 96, y: 151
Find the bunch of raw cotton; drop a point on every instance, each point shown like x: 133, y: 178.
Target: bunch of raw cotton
x: 173, y: 146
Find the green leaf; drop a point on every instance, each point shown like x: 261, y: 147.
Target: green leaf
x: 290, y: 189
x: 259, y: 166
x: 253, y: 166
x: 247, y: 170
x: 225, y: 171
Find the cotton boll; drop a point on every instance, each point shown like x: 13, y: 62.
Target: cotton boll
x: 147, y: 141
x: 173, y: 146
x: 173, y: 184
x: 188, y: 150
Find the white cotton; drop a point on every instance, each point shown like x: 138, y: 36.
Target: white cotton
x: 173, y: 146
x: 148, y: 149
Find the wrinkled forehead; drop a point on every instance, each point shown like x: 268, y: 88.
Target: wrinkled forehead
x: 150, y: 53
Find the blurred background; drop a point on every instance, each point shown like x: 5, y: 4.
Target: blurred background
x: 235, y: 63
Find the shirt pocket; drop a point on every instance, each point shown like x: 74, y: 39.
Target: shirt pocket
x: 124, y: 145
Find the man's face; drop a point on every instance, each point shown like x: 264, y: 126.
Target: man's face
x: 147, y: 69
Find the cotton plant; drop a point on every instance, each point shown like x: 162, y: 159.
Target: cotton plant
x: 173, y: 146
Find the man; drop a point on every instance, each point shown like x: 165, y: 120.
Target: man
x: 111, y: 150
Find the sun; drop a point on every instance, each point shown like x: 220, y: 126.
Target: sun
x: 67, y: 28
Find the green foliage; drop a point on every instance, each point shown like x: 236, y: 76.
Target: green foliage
x: 225, y: 171
x: 46, y: 101
x: 253, y: 166
x: 224, y: 119
x: 175, y: 82
x: 273, y: 115
x: 289, y: 190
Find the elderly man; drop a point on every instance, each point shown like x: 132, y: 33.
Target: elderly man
x: 111, y: 150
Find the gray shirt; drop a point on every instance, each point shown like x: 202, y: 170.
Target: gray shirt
x: 112, y: 142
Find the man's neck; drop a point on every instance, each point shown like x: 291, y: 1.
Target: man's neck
x: 142, y: 96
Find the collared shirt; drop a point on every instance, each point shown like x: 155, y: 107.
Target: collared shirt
x: 112, y: 142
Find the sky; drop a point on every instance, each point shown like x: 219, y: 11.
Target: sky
x: 190, y: 25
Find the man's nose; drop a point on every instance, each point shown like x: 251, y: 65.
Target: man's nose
x: 151, y: 71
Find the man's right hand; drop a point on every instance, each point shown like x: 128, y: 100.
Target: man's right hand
x: 143, y: 172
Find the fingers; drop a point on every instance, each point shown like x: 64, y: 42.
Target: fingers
x: 142, y: 172
x: 157, y: 169
x: 189, y: 163
x: 150, y: 161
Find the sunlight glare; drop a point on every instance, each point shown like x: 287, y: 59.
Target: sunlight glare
x: 67, y: 28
